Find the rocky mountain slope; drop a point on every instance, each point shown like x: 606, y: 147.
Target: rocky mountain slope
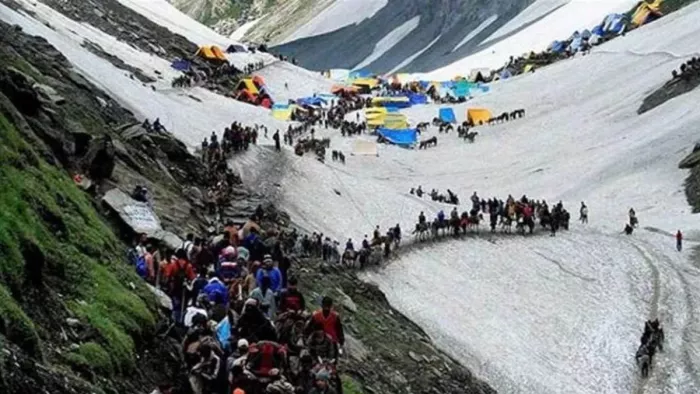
x: 74, y: 318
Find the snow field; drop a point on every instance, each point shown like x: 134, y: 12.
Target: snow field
x: 544, y: 315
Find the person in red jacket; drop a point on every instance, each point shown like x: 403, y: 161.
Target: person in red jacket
x: 330, y: 321
x: 679, y: 240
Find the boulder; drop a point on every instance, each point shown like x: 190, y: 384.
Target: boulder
x: 99, y: 161
x: 48, y: 94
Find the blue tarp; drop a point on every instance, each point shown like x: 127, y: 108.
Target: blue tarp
x: 311, y: 101
x: 461, y: 89
x: 418, y: 99
x: 392, y: 109
x: 558, y: 46
x: 399, y: 137
x: 180, y: 64
x: 396, y: 104
x: 447, y: 115
x: 505, y: 74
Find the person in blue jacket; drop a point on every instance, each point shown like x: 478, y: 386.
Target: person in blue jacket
x: 270, y: 271
x: 441, y: 216
x: 216, y: 290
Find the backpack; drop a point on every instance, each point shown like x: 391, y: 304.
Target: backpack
x: 132, y: 256
x: 141, y: 267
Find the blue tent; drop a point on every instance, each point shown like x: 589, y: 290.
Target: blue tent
x: 180, y: 64
x: 403, y: 137
x: 598, y: 30
x: 447, y: 115
x: 392, y: 109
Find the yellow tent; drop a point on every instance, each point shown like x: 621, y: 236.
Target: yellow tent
x: 527, y: 68
x: 379, y: 100
x: 478, y: 116
x: 247, y: 83
x: 282, y: 113
x: 210, y: 52
x: 217, y: 52
x: 641, y: 15
x: 369, y: 82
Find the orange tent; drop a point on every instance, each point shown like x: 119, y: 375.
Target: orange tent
x: 478, y: 116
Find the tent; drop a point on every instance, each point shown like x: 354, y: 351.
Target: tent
x: 236, y: 48
x: 478, y: 116
x: 311, y: 101
x: 479, y: 74
x: 370, y: 83
x: 528, y: 68
x: 249, y: 85
x: 210, y: 53
x: 405, y: 137
x: 447, y: 115
x: 282, y: 111
x: 396, y: 102
x: 461, y: 88
x: 180, y: 64
x: 647, y: 12
x: 364, y: 148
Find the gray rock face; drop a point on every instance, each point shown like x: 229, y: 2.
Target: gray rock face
x: 450, y: 20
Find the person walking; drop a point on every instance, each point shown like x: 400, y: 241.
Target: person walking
x: 584, y: 213
x: 679, y: 240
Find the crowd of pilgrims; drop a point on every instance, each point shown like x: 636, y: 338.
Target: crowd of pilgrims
x: 241, y: 315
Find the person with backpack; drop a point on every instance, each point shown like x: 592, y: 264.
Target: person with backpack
x: 177, y: 273
x: 291, y: 299
x: 216, y: 290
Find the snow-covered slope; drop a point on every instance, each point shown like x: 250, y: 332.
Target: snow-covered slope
x: 545, y: 315
x: 191, y: 114
x: 456, y: 29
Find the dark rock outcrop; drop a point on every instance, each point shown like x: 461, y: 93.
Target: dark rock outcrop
x: 670, y: 90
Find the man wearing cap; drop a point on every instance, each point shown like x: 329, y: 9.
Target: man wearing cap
x: 240, y: 356
x: 272, y: 272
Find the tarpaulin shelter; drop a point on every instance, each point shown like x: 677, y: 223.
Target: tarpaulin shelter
x: 505, y: 74
x: 417, y: 98
x: 404, y: 137
x: 312, y: 101
x: 461, y: 88
x: 647, y: 12
x: 249, y: 85
x: 447, y: 115
x: 364, y: 148
x: 478, y: 116
x: 528, y: 68
x: 396, y: 102
x: 282, y: 111
x: 365, y: 84
x: 395, y: 121
x: 180, y: 64
x: 211, y: 52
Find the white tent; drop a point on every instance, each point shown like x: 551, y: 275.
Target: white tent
x: 365, y: 148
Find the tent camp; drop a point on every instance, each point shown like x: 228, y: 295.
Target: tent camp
x: 403, y: 137
x: 478, y: 116
x: 447, y: 115
x: 417, y: 98
x: 647, y: 12
x: 365, y: 148
x: 211, y: 52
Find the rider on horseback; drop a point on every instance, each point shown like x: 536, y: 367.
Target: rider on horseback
x: 421, y: 218
x: 441, y: 216
x: 349, y: 245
